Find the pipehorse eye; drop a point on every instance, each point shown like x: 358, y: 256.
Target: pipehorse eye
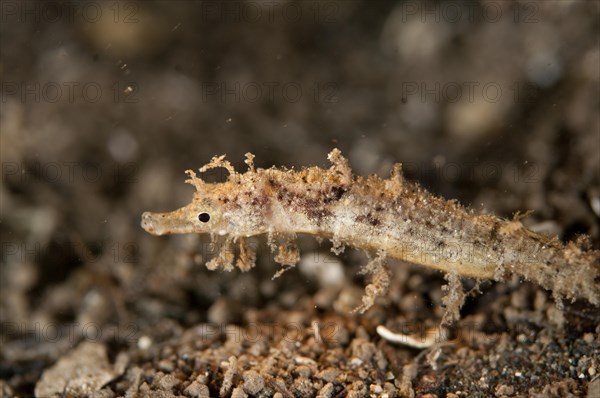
x: 204, y: 217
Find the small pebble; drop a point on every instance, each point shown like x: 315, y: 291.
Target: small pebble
x: 303, y: 387
x: 327, y: 391
x: 503, y: 389
x: 375, y: 389
x: 166, y: 365
x: 144, y: 343
x: 303, y: 371
x: 167, y: 382
x: 328, y: 374
x: 238, y: 392
x: 253, y: 382
x: 197, y: 390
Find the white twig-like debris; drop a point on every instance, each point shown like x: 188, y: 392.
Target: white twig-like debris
x: 429, y: 340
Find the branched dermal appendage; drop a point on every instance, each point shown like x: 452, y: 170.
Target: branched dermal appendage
x: 454, y: 298
x: 337, y: 247
x: 250, y: 162
x: 194, y: 180
x: 340, y: 166
x: 379, y: 285
x: 219, y: 161
x: 224, y: 260
x: 396, y: 180
x: 288, y: 255
x: 247, y: 258
x: 215, y: 163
